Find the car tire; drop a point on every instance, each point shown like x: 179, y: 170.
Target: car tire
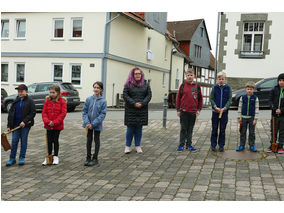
x: 71, y: 109
x: 8, y: 106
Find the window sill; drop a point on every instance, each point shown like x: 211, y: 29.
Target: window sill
x: 19, y: 39
x: 76, y: 39
x: 78, y: 86
x: 18, y: 83
x: 252, y: 54
x: 4, y: 83
x: 5, y: 39
x: 57, y: 39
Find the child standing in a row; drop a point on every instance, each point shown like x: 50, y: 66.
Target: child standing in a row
x: 248, y: 112
x: 53, y: 114
x: 94, y: 112
x: 221, y: 99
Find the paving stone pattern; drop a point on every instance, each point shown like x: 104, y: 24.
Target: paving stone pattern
x: 159, y: 173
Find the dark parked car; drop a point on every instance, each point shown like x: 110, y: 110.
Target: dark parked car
x: 4, y: 94
x: 262, y: 90
x: 39, y: 91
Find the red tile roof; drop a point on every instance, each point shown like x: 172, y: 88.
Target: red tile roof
x: 212, y: 61
x: 137, y: 18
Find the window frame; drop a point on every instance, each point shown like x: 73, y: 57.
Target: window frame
x: 5, y: 20
x: 76, y: 64
x: 15, y: 79
x: 52, y: 71
x: 253, y: 33
x: 16, y: 29
x: 5, y: 82
x: 71, y: 28
x: 53, y: 29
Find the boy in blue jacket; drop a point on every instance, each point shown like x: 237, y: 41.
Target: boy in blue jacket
x: 94, y: 112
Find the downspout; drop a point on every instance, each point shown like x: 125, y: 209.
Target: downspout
x: 171, y: 62
x: 217, y: 45
x: 106, y: 49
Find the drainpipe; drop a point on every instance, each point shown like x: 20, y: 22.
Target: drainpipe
x: 217, y: 45
x: 106, y: 49
x: 171, y: 62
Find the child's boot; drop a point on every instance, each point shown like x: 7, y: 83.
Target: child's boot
x: 280, y: 149
x: 21, y: 161
x: 11, y: 162
x: 55, y: 160
x: 240, y: 148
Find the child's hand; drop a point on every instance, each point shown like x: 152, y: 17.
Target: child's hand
x: 22, y: 124
x: 51, y: 123
x: 9, y: 130
x: 222, y: 110
x: 178, y: 114
x: 254, y: 122
x: 217, y: 109
x: 198, y: 113
x: 278, y: 111
x: 89, y: 126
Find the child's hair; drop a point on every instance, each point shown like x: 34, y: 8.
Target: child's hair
x: 100, y: 84
x: 220, y: 74
x: 56, y: 88
x: 189, y: 71
x: 250, y: 84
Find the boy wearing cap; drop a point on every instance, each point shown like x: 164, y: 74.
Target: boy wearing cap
x: 277, y: 110
x: 21, y: 113
x: 248, y: 112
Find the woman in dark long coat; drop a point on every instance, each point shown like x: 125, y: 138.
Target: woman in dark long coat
x: 137, y: 94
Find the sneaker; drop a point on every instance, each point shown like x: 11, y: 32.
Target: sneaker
x: 240, y: 148
x: 138, y: 149
x: 221, y: 149
x: 44, y: 162
x: 21, y: 161
x: 280, y: 149
x: 55, y: 160
x: 252, y: 148
x: 268, y: 150
x: 180, y: 148
x: 11, y: 162
x: 87, y: 162
x: 93, y: 162
x: 191, y: 148
x: 127, y: 150
x: 213, y: 149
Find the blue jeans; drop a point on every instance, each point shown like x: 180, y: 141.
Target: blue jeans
x: 16, y: 136
x: 136, y: 132
x: 219, y: 123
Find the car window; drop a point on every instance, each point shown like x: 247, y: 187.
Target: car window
x: 68, y: 86
x: 31, y: 88
x: 269, y: 84
x: 43, y: 87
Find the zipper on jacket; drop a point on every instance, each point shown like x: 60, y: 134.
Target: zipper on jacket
x: 248, y: 105
x: 221, y: 97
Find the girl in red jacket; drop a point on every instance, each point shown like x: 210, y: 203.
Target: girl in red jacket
x: 53, y: 114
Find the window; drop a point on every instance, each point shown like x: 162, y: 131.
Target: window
x: 32, y: 88
x: 20, y: 73
x: 57, y: 72
x: 268, y: 84
x: 76, y: 74
x: 197, y: 52
x: 166, y: 52
x: 164, y: 80
x: 77, y: 26
x: 5, y: 29
x: 202, y: 31
x: 21, y: 28
x: 58, y: 28
x: 177, y: 79
x: 43, y: 87
x: 253, y: 38
x: 4, y: 72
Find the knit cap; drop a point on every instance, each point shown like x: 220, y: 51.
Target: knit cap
x: 281, y: 76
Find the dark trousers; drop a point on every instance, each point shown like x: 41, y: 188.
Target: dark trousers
x: 247, y: 122
x: 52, y: 138
x: 220, y: 123
x: 96, y: 134
x: 187, y: 121
x: 279, y: 129
x: 136, y: 132
x: 16, y: 136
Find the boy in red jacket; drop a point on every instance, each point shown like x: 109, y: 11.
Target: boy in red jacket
x: 188, y: 105
x: 53, y: 114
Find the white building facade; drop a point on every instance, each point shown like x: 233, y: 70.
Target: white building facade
x: 250, y: 45
x: 82, y: 48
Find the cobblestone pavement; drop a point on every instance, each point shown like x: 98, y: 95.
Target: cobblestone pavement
x: 159, y: 173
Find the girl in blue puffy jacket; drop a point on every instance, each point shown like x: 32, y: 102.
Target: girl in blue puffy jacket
x: 94, y: 112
